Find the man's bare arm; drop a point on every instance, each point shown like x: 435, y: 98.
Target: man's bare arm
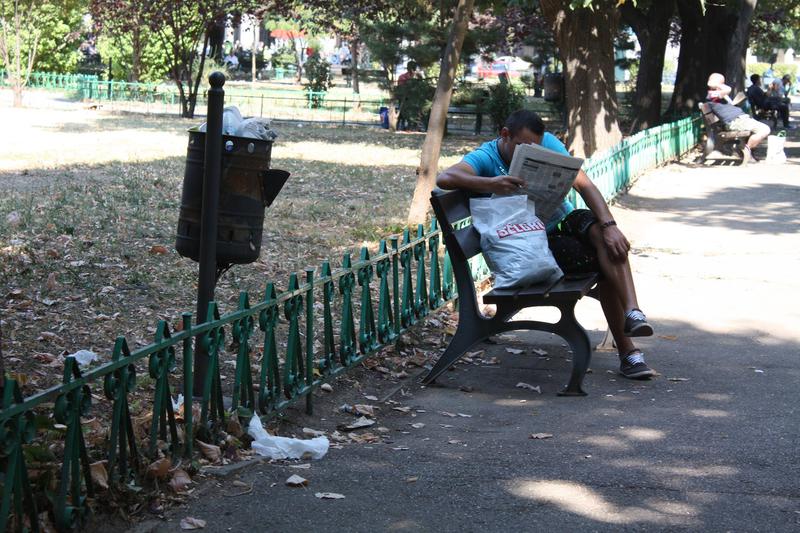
x: 615, y: 241
x: 462, y: 176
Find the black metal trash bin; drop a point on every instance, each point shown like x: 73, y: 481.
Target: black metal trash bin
x: 247, y: 187
x: 554, y: 87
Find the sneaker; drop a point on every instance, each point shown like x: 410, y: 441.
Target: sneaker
x: 747, y: 155
x: 636, y: 324
x: 632, y: 366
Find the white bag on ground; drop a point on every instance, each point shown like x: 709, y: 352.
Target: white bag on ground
x: 267, y: 445
x: 513, y: 241
x: 775, y: 144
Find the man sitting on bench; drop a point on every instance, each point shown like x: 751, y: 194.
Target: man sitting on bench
x: 759, y: 99
x: 733, y: 117
x: 582, y: 240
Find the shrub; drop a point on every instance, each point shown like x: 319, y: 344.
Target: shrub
x: 414, y: 98
x: 318, y: 72
x: 504, y: 98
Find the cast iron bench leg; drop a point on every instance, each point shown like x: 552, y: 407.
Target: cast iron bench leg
x: 468, y: 334
x: 571, y: 331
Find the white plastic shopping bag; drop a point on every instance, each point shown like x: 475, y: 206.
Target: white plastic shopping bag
x: 775, y: 144
x: 513, y: 241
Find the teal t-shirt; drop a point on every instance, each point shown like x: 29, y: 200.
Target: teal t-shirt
x: 487, y: 162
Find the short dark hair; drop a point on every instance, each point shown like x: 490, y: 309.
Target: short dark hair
x: 411, y: 65
x: 524, y: 119
x: 754, y: 78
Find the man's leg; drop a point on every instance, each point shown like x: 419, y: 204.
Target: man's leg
x: 577, y: 251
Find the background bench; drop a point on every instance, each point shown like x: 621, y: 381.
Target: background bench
x: 718, y: 138
x: 473, y: 327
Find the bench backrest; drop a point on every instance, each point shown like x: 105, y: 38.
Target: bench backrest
x: 451, y: 207
x: 708, y: 115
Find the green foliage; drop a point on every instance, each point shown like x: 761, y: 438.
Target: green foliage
x: 318, y: 72
x: 392, y: 42
x: 57, y: 24
x: 504, y: 98
x: 466, y: 93
x: 154, y: 62
x: 779, y: 69
x: 414, y: 98
x: 284, y: 57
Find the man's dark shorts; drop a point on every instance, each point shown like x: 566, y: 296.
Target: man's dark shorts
x: 571, y: 245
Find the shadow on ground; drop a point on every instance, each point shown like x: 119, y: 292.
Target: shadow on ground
x: 703, y: 447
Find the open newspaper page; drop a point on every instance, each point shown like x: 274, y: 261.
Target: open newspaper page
x: 548, y: 174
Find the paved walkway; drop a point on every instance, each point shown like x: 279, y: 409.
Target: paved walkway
x: 712, y: 444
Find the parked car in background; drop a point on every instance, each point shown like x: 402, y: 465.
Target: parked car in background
x: 514, y: 67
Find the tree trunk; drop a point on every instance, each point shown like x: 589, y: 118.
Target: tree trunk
x: 652, y: 31
x: 737, y: 51
x: 17, y: 94
x: 354, y: 64
x: 256, y: 26
x: 705, y: 41
x: 193, y: 90
x: 136, y: 67
x: 585, y: 38
x: 429, y: 161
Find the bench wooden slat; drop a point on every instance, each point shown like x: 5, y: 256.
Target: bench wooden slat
x: 566, y: 289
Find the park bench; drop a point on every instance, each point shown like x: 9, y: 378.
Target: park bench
x: 717, y: 137
x: 463, y: 243
x: 762, y: 113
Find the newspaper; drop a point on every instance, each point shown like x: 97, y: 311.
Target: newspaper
x: 548, y: 176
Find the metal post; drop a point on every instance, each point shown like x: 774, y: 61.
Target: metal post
x: 207, y: 277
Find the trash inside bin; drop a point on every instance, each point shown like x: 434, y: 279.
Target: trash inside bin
x: 247, y: 187
x: 384, y: 113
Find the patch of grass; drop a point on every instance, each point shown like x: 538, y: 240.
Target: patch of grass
x: 93, y: 257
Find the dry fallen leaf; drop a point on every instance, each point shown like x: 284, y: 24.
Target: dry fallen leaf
x: 326, y: 387
x: 418, y: 425
x: 371, y: 398
x: 192, y: 523
x: 51, y: 284
x: 514, y: 351
x: 540, y: 352
x: 237, y: 483
x: 159, y: 469
x: 296, y: 481
x: 528, y: 386
x: 359, y: 423
x: 310, y: 432
x: 412, y: 479
x: 402, y: 409
x: 209, y: 451
x: 180, y: 481
x: 329, y: 495
x: 158, y: 250
x: 99, y: 474
x: 540, y: 436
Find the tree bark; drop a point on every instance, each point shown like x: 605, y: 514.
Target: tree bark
x: 705, y: 41
x: 652, y: 30
x: 354, y: 64
x: 431, y: 148
x: 136, y: 42
x: 737, y: 51
x: 585, y: 39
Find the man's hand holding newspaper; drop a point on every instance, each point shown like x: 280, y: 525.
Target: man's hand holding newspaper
x: 548, y: 176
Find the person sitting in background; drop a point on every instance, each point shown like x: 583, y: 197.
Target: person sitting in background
x: 733, y: 117
x: 786, y: 88
x: 411, y: 72
x: 231, y: 61
x: 758, y: 98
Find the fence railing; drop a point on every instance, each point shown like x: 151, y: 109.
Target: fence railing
x: 50, y: 80
x: 614, y: 170
x: 324, y: 323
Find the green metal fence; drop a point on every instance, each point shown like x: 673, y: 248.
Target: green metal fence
x: 50, y: 80
x: 325, y: 322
